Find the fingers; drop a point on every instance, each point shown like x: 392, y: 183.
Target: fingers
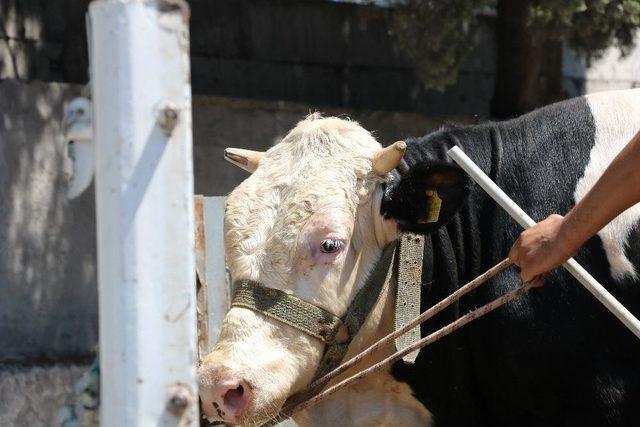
x: 537, y: 281
x: 515, y: 257
x: 539, y: 249
x: 514, y: 253
x: 526, y: 275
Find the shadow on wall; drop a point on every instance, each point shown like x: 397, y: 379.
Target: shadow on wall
x: 48, y: 293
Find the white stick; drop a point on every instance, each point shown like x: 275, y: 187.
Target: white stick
x: 218, y: 294
x: 145, y: 215
x: 572, y: 266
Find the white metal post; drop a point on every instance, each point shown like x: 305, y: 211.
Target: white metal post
x: 145, y: 215
x: 521, y: 217
x: 216, y: 273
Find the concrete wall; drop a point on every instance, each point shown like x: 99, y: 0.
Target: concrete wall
x: 610, y: 72
x: 47, y: 244
x: 48, y: 300
x: 225, y: 122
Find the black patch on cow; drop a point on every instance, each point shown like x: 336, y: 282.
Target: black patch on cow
x: 425, y: 197
x: 555, y: 356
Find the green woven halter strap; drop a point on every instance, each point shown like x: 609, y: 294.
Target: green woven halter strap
x: 288, y: 309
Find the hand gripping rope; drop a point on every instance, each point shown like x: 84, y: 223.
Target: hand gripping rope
x: 572, y: 266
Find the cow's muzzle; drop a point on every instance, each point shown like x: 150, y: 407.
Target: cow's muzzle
x: 223, y: 394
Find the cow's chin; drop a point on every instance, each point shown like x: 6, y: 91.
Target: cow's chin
x: 270, y: 359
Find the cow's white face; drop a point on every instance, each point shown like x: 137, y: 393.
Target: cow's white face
x: 303, y: 223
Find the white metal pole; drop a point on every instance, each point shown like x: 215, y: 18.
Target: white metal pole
x: 216, y: 274
x: 572, y: 266
x: 145, y: 214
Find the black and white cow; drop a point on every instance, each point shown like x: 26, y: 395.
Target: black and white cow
x: 555, y: 356
x: 312, y: 220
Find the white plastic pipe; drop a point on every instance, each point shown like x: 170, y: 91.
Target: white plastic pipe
x: 218, y: 294
x: 145, y: 215
x: 572, y: 266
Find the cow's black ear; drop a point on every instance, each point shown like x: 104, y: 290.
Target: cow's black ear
x: 425, y: 197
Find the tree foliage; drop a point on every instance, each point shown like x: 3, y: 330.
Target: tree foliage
x: 589, y: 26
x: 437, y: 34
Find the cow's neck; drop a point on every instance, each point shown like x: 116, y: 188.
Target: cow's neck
x: 457, y: 247
x: 378, y: 399
x: 379, y: 323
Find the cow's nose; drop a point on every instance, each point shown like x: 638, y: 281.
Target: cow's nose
x: 226, y: 399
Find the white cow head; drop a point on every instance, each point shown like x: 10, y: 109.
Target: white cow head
x: 308, y: 222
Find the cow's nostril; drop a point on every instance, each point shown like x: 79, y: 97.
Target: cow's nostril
x: 227, y: 399
x: 234, y: 398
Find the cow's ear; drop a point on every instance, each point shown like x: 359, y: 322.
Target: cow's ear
x: 425, y: 197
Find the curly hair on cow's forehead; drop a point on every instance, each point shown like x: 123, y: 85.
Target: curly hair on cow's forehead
x: 314, y: 116
x: 328, y: 135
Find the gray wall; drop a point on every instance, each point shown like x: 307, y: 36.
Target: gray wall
x: 48, y: 296
x: 47, y: 244
x: 225, y: 122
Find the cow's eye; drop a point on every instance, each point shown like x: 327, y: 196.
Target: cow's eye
x: 330, y: 245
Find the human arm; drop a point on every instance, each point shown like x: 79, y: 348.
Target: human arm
x: 554, y: 240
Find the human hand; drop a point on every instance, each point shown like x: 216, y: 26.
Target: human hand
x: 541, y: 248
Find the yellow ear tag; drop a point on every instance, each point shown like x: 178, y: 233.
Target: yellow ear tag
x: 435, y: 204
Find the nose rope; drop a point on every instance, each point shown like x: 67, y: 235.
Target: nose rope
x: 310, y: 397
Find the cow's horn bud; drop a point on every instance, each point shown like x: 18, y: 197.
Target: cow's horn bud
x: 386, y: 159
x: 246, y: 159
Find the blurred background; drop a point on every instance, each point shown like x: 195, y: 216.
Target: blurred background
x: 400, y: 67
